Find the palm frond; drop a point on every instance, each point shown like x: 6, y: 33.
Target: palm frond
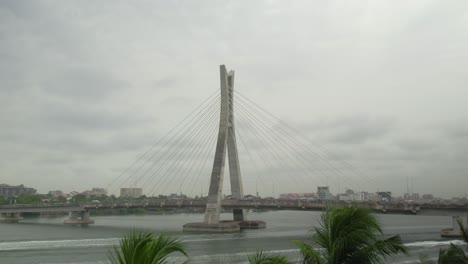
x: 453, y: 254
x: 262, y: 257
x: 350, y: 235
x: 309, y: 254
x: 378, y: 251
x: 145, y: 248
x: 424, y: 259
x: 464, y: 231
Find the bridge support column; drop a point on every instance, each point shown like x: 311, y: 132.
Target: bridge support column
x: 78, y: 218
x: 10, y: 217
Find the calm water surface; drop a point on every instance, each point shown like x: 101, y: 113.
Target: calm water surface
x: 47, y: 240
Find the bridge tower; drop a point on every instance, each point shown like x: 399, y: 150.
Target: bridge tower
x: 226, y: 143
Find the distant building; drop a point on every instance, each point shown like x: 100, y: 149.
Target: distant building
x: 9, y: 191
x: 428, y: 196
x: 350, y: 195
x: 323, y: 193
x: 411, y: 196
x: 131, y: 192
x: 297, y: 196
x: 385, y: 196
x: 372, y: 197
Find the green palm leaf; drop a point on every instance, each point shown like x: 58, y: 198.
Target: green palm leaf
x: 349, y: 235
x: 145, y: 248
x: 309, y: 254
x: 464, y: 231
x: 453, y: 254
x: 262, y: 257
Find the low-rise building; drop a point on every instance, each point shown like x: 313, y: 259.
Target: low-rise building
x: 428, y: 196
x: 297, y: 196
x: 350, y: 195
x: 385, y: 196
x: 13, y: 191
x: 323, y: 193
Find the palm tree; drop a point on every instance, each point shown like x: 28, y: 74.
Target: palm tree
x: 145, y: 248
x: 264, y: 258
x: 464, y: 231
x: 453, y: 254
x: 424, y: 259
x: 349, y: 235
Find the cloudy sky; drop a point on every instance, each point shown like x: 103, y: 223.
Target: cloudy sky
x: 86, y: 86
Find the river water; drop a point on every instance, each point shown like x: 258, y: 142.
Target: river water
x: 47, y: 240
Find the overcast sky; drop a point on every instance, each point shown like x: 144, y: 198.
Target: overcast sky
x: 86, y: 86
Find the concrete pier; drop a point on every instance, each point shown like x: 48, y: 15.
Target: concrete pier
x: 455, y: 231
x: 10, y: 217
x: 78, y: 218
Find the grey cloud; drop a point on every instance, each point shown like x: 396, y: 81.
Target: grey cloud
x: 68, y: 118
x: 176, y: 101
x: 456, y: 131
x: 165, y: 83
x: 417, y: 145
x: 349, y: 129
x: 83, y: 85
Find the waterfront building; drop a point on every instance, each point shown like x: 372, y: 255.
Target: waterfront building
x: 385, y: 196
x: 428, y: 196
x: 372, y: 197
x: 350, y: 195
x: 323, y: 193
x: 14, y: 191
x: 297, y: 196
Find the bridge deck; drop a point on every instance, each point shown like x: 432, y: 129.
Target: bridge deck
x: 227, y: 204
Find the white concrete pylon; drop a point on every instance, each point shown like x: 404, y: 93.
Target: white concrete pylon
x: 226, y: 142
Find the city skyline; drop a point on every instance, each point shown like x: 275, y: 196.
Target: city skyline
x: 88, y: 87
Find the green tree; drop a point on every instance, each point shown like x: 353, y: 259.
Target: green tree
x: 27, y: 198
x: 79, y: 198
x: 145, y: 248
x: 262, y: 257
x: 61, y: 199
x: 349, y: 235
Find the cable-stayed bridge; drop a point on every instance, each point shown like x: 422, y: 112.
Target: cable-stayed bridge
x: 264, y: 155
x: 260, y: 150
